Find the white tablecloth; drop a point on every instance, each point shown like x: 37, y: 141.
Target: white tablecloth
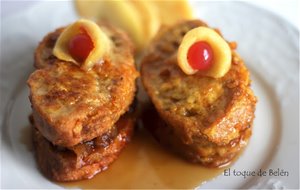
x: 288, y: 9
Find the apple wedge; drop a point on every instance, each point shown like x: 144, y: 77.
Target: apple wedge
x: 221, y: 52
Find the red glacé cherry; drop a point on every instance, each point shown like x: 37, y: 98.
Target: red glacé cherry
x: 200, y: 56
x: 80, y: 46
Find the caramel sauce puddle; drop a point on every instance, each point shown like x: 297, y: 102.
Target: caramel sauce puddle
x: 145, y: 164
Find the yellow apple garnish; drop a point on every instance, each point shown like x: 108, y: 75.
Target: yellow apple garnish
x: 171, y: 12
x: 122, y: 14
x: 141, y: 19
x: 204, y: 51
x: 83, y: 43
x: 150, y: 19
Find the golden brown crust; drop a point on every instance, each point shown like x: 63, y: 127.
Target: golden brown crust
x: 122, y: 49
x: 86, y: 159
x: 71, y: 105
x: 201, y: 150
x: 197, y: 106
x: 43, y: 55
x: 202, y: 116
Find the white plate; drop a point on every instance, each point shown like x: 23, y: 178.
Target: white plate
x: 268, y: 44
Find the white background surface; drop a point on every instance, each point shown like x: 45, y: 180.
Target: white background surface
x: 288, y: 9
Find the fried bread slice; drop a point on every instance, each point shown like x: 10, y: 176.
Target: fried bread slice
x: 196, y: 107
x: 71, y: 105
x: 43, y: 55
x: 201, y: 150
x: 86, y: 159
x: 122, y: 50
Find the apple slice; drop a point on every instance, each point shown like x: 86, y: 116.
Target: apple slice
x: 221, y: 52
x: 121, y: 14
x: 83, y: 43
x: 173, y: 11
x: 141, y: 19
x: 150, y: 18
